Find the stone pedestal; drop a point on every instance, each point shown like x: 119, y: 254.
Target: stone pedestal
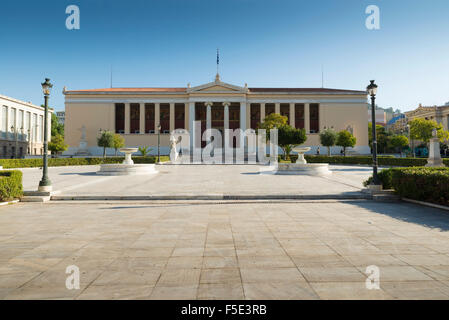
x: 434, y: 159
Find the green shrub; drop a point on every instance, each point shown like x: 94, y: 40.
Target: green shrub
x: 385, y: 177
x: 61, y: 162
x: 423, y: 184
x: 10, y: 185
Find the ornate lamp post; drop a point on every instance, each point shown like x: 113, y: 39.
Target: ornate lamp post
x: 372, y: 91
x: 45, y: 183
x: 159, y: 143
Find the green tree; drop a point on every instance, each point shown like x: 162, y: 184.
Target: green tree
x: 274, y: 120
x: 382, y: 136
x: 288, y: 137
x: 56, y: 127
x: 118, y: 142
x: 345, y: 139
x: 399, y: 142
x: 421, y: 129
x: 57, y: 144
x: 144, y: 151
x: 105, y: 140
x: 328, y: 138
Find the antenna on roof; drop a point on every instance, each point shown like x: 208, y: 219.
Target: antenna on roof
x: 322, y: 76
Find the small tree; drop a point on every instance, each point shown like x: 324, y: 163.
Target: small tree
x: 144, y: 151
x: 118, y: 142
x: 105, y: 140
x: 328, y: 138
x: 57, y: 144
x: 399, y: 142
x: 288, y: 137
x: 345, y: 139
x: 56, y: 127
x: 274, y: 120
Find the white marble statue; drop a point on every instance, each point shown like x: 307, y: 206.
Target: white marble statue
x: 174, y: 154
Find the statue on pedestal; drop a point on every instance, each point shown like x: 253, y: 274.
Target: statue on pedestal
x: 82, y: 150
x: 434, y: 159
x: 174, y: 154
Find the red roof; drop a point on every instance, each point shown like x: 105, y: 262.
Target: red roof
x: 255, y: 90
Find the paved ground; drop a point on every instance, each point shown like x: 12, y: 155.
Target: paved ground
x: 179, y: 250
x: 192, y: 180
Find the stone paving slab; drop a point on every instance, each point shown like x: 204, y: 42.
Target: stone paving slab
x: 212, y: 182
x: 226, y: 250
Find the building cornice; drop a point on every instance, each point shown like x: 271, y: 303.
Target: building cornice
x: 28, y: 104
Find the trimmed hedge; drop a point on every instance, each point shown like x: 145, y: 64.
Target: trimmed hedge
x: 365, y: 160
x: 418, y: 183
x: 61, y: 162
x: 10, y: 185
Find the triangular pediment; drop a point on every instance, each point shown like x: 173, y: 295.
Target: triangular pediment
x: 217, y: 87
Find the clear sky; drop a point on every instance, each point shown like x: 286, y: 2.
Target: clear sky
x: 262, y: 42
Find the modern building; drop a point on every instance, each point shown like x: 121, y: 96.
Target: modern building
x: 136, y: 113
x: 21, y: 128
x: 440, y: 114
x: 61, y: 116
x: 398, y: 124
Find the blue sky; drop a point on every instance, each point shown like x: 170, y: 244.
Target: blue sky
x: 262, y: 42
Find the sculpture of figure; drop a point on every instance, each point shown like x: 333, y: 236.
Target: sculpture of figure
x: 83, y: 133
x: 174, y: 154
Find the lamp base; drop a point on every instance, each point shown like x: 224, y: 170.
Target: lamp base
x: 45, y: 188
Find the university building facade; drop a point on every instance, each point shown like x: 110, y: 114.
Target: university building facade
x: 136, y: 113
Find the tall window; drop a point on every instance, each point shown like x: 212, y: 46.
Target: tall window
x: 165, y: 117
x: 285, y: 111
x: 299, y: 116
x: 135, y: 118
x: 234, y: 116
x: 26, y: 128
x: 269, y: 109
x: 4, y: 128
x: 41, y: 128
x: 34, y: 127
x: 20, y: 127
x: 149, y: 118
x: 255, y: 115
x: 314, y: 118
x: 120, y: 118
x: 180, y: 116
x: 12, y: 123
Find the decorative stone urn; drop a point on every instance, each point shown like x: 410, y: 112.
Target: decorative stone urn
x: 128, y: 152
x: 301, y: 151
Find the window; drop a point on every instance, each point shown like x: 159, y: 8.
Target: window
x: 255, y: 115
x: 299, y: 116
x: 314, y: 118
x: 34, y: 127
x: 12, y: 123
x: 4, y: 123
x: 20, y: 127
x: 180, y: 116
x: 285, y: 111
x: 149, y: 118
x: 135, y: 118
x: 41, y: 128
x: 119, y: 118
x: 165, y: 117
x: 269, y: 109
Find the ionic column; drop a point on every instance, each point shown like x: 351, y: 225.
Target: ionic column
x: 226, y: 115
x: 157, y: 116
x: 172, y: 117
x: 292, y: 114
x: 243, y: 116
x: 307, y: 117
x: 262, y: 112
x: 277, y: 108
x: 127, y: 118
x: 186, y: 116
x: 142, y: 119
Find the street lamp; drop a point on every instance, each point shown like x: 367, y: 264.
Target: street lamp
x: 159, y: 143
x: 372, y: 91
x: 45, y: 183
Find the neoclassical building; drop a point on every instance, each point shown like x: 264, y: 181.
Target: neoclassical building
x: 136, y: 113
x: 440, y: 114
x: 21, y: 128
